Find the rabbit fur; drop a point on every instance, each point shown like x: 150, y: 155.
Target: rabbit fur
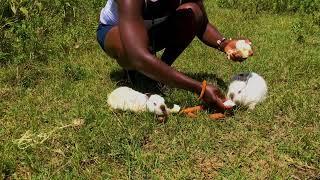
x: 127, y: 99
x: 247, y: 89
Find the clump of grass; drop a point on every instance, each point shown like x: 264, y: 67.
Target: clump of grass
x: 307, y: 6
x: 74, y: 72
x: 316, y: 18
x: 37, y: 30
x: 298, y: 31
x: 7, y: 169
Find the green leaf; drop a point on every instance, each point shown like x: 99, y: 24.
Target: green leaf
x: 24, y: 11
x: 39, y: 5
x: 13, y: 8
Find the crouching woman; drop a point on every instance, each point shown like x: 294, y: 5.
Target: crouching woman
x: 132, y: 30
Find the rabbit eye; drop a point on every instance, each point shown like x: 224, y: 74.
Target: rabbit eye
x: 239, y: 91
x: 231, y: 96
x: 155, y: 104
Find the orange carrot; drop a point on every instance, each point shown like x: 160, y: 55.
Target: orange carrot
x: 217, y: 116
x: 192, y: 109
x: 190, y: 114
x: 203, y: 89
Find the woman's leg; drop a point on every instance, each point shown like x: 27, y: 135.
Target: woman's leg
x: 114, y: 48
x: 174, y: 35
x: 179, y: 30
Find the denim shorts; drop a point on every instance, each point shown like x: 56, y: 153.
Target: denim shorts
x: 102, y: 30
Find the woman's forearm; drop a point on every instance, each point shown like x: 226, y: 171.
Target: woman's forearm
x: 211, y: 36
x: 159, y: 71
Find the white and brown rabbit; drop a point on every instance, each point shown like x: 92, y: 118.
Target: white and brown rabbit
x: 247, y: 89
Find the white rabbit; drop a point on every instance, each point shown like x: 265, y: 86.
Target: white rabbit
x: 127, y: 99
x: 247, y: 89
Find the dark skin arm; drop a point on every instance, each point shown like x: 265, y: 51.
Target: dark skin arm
x: 134, y: 34
x: 211, y: 35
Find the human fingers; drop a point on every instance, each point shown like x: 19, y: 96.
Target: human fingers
x: 217, y: 98
x: 215, y: 91
x: 251, y: 53
x: 236, y: 56
x: 219, y: 104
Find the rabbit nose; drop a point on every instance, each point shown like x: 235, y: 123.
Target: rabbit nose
x: 251, y: 53
x: 231, y: 96
x: 163, y: 109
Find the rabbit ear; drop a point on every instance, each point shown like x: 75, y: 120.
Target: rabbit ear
x: 148, y: 94
x: 248, y: 41
x: 242, y: 77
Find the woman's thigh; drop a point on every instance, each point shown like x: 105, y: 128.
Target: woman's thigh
x: 110, y: 41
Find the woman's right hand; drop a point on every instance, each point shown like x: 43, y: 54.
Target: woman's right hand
x: 214, y: 97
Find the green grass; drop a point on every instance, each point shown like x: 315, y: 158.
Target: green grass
x: 280, y: 139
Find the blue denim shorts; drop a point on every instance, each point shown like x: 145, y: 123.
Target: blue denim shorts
x: 102, y: 30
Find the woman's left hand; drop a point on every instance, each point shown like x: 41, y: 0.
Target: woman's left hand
x: 235, y: 54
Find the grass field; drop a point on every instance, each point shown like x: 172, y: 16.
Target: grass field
x: 55, y: 123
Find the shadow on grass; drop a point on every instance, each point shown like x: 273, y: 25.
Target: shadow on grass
x: 210, y: 78
x: 144, y: 84
x: 136, y: 81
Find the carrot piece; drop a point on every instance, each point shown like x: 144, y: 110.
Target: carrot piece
x: 217, y: 116
x: 192, y: 109
x: 203, y: 89
x: 192, y: 115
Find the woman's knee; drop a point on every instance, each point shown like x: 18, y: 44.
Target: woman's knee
x: 113, y: 47
x: 197, y: 12
x: 119, y: 56
x: 113, y: 44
